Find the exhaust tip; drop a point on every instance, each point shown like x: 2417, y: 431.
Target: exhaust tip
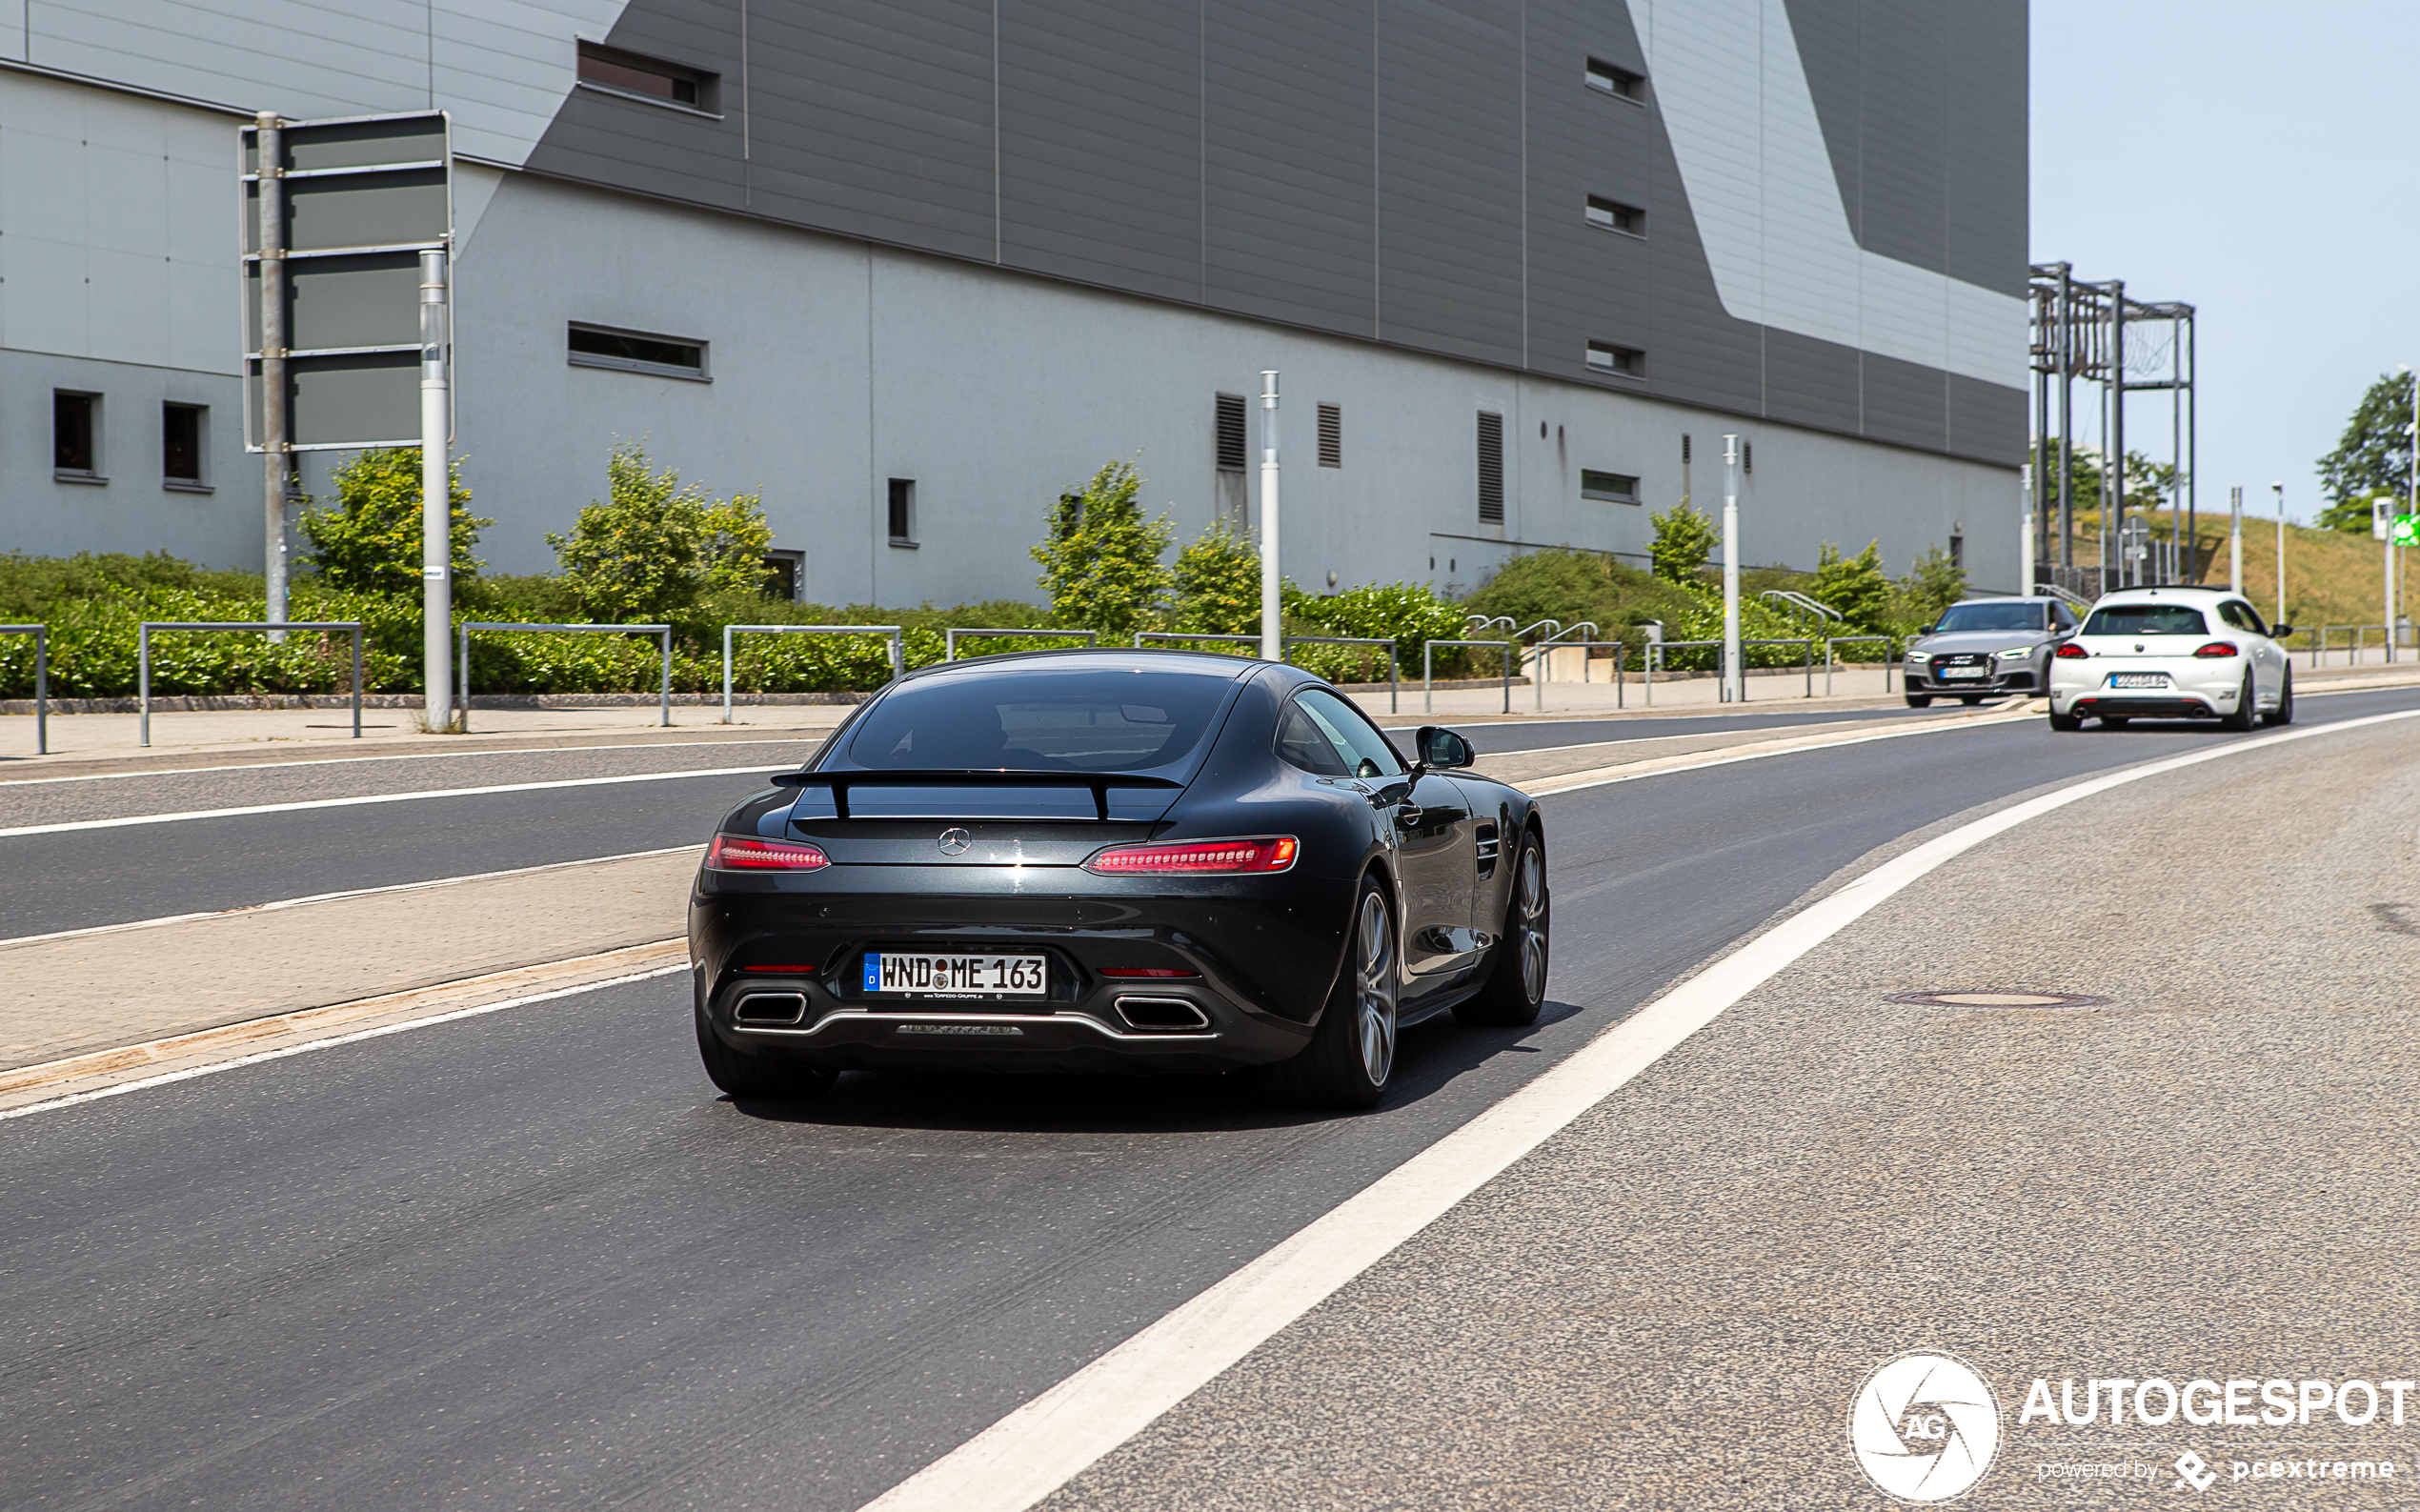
x: 1162, y: 1014
x: 769, y: 1008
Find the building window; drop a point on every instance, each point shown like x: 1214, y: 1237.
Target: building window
x: 1747, y: 458
x: 1619, y: 82
x: 1609, y: 488
x: 653, y: 80
x: 903, y: 512
x: 75, y: 436
x: 1491, y: 469
x: 182, y: 458
x: 636, y: 351
x: 1230, y: 432
x: 785, y: 571
x: 1958, y: 552
x: 1611, y: 214
x: 1331, y: 436
x: 1621, y: 362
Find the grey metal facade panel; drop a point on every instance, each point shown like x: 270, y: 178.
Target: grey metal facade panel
x: 1450, y: 178
x: 1291, y: 194
x: 1101, y: 142
x: 1814, y: 379
x: 1989, y: 180
x: 1584, y: 282
x: 1909, y: 405
x: 1987, y: 421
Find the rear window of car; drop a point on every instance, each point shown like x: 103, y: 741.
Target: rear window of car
x: 2014, y: 615
x: 2147, y: 620
x: 1040, y: 720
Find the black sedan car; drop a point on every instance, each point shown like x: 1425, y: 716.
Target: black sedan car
x: 1114, y: 860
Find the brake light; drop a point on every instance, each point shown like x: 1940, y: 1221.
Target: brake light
x: 1264, y: 853
x: 2219, y: 648
x: 2070, y: 651
x: 1154, y: 972
x: 739, y: 852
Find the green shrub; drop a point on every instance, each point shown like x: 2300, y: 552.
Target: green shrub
x: 1217, y: 584
x: 1856, y: 586
x: 1101, y: 558
x: 1570, y: 587
x: 652, y: 549
x: 1931, y: 586
x: 370, y: 543
x: 1683, y: 539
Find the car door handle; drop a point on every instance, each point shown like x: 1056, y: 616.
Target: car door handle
x: 1408, y: 814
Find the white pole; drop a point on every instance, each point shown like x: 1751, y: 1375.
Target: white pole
x: 1734, y: 672
x: 2025, y: 541
x: 2381, y: 510
x: 1272, y: 609
x: 2235, y: 540
x: 2279, y: 489
x: 436, y: 501
x: 269, y: 139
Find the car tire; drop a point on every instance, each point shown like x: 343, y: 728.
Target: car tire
x: 1971, y: 700
x: 2247, y: 714
x: 1352, y: 1050
x: 2065, y: 723
x: 761, y: 1076
x: 1920, y: 701
x: 1516, y: 985
x: 2283, y: 712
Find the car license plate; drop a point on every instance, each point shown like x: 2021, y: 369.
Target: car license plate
x: 1964, y: 672
x: 2138, y: 679
x: 922, y: 974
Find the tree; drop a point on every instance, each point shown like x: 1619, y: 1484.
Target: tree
x: 1100, y: 559
x: 370, y: 543
x: 1856, y: 586
x: 1683, y: 539
x: 2148, y: 485
x: 2373, y: 456
x: 653, y: 548
x: 1217, y: 584
x: 1931, y: 586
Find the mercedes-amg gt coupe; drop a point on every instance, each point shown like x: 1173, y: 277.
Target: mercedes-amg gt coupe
x: 1114, y: 860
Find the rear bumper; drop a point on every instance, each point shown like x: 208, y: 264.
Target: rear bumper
x: 2194, y: 691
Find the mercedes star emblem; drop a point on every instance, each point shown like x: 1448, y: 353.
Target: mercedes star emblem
x: 954, y: 842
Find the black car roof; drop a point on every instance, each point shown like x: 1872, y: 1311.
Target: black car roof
x: 1147, y: 658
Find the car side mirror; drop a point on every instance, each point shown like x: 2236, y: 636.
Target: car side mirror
x: 1923, y: 629
x: 2280, y: 632
x: 1442, y: 749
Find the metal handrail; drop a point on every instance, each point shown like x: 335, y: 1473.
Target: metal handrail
x: 1141, y: 635
x: 2071, y: 598
x: 1535, y: 624
x: 1428, y: 674
x: 1889, y: 659
x: 1538, y: 659
x: 41, y: 634
x: 1805, y: 642
x: 463, y: 635
x: 1475, y: 623
x: 949, y: 637
x: 143, y: 654
x: 1803, y: 604
x: 897, y: 635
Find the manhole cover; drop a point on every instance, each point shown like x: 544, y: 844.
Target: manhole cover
x: 1999, y: 1000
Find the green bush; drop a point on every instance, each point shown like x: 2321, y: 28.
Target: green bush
x: 1570, y: 587
x: 1683, y: 539
x: 1217, y: 584
x: 652, y: 549
x: 1100, y: 557
x: 369, y: 543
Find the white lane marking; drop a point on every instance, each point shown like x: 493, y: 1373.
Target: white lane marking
x: 120, y: 1089
x: 331, y: 897
x: 365, y: 799
x: 406, y: 756
x: 1044, y: 1444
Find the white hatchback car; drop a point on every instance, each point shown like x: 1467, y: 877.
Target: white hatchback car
x: 2172, y: 653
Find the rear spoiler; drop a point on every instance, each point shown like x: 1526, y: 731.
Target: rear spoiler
x: 841, y: 782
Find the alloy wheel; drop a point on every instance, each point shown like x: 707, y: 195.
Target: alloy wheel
x: 1530, y: 919
x: 1374, y: 989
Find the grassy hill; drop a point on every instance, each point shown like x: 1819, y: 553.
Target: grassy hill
x: 2332, y: 579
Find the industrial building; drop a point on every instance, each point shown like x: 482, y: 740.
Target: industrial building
x: 909, y: 267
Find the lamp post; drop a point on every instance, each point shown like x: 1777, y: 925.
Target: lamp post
x: 1734, y: 675
x: 2279, y: 489
x: 1272, y: 620
x: 2025, y: 539
x: 2235, y: 539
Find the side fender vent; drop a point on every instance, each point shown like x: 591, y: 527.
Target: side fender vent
x: 1490, y: 848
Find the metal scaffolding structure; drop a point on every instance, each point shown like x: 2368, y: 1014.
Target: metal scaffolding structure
x: 2093, y: 331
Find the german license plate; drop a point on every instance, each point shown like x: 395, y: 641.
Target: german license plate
x: 922, y: 973
x: 2138, y: 679
x: 1947, y: 672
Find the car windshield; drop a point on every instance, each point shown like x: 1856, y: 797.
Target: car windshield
x: 2145, y: 620
x: 2015, y: 615
x: 1080, y: 718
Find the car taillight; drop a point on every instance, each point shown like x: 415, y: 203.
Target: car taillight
x: 739, y: 852
x: 2070, y: 651
x: 2220, y: 647
x: 1155, y: 973
x: 1262, y: 852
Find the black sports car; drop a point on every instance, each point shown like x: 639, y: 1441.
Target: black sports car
x: 1114, y: 860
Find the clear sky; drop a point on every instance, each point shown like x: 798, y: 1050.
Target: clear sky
x: 2256, y: 162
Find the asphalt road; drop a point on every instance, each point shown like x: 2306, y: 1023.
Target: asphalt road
x: 531, y: 1260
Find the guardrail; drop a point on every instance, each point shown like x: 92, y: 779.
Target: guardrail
x: 1889, y: 659
x: 1394, y: 692
x: 41, y: 634
x: 895, y: 634
x: 143, y: 654
x: 665, y: 631
x: 1805, y: 643
x: 1541, y: 652
x: 1427, y: 664
x: 949, y: 638
x: 1141, y: 635
x: 2354, y: 645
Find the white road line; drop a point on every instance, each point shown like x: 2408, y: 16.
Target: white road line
x: 366, y: 799
x: 1044, y: 1444
x: 120, y: 1089
x: 1544, y: 787
x: 404, y: 756
x: 331, y: 897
